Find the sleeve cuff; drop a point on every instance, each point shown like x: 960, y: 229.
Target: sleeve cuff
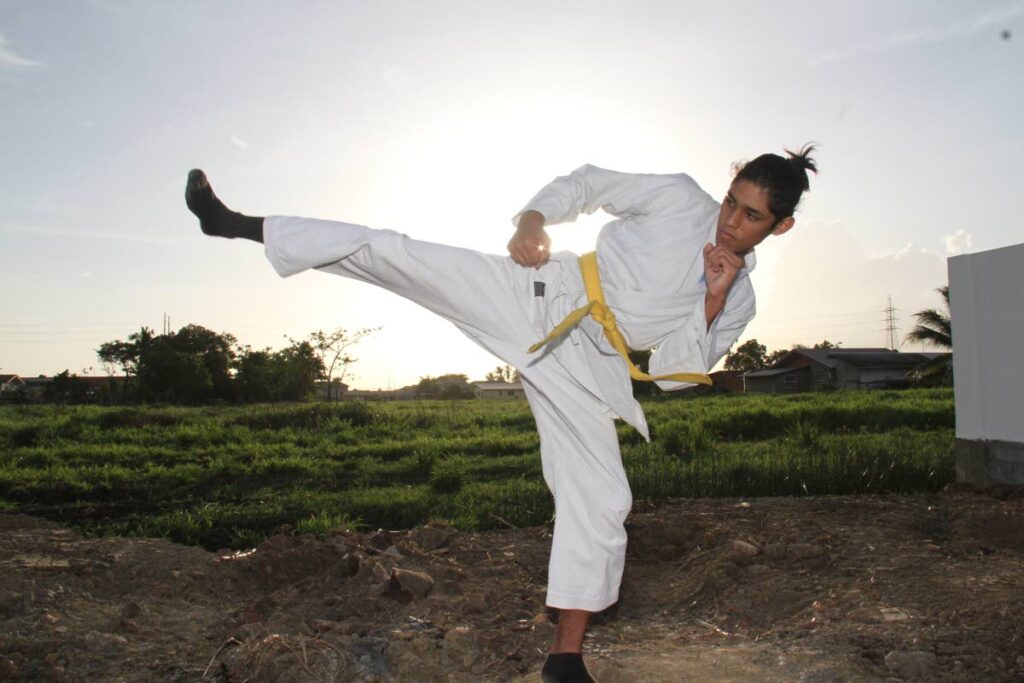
x: 271, y: 247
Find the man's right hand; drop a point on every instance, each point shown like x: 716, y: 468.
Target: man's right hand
x: 530, y: 246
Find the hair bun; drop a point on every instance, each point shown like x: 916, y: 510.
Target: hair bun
x: 803, y: 162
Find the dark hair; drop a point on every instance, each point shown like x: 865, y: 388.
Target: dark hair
x: 784, y: 179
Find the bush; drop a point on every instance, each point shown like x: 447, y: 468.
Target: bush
x: 447, y: 477
x: 688, y: 437
x: 804, y: 434
x: 315, y: 416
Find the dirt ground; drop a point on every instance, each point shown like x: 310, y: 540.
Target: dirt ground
x: 815, y: 589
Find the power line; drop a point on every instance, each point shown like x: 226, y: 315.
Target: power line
x: 805, y: 328
x: 846, y: 314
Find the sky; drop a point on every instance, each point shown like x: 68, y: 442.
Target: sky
x: 440, y: 119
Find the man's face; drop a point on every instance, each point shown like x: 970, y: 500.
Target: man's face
x: 744, y: 220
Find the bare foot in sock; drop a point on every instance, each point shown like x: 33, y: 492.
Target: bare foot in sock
x: 215, y: 218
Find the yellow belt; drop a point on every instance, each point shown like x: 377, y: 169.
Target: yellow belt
x: 599, y: 311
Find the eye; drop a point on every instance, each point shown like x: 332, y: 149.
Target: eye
x: 752, y: 216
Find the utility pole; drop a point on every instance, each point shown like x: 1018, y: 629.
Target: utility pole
x: 890, y: 326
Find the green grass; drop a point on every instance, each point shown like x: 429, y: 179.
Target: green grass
x: 228, y: 476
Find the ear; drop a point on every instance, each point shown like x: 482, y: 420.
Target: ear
x: 783, y: 226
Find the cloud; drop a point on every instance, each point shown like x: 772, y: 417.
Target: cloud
x: 238, y: 142
x: 926, y: 35
x: 959, y: 242
x: 998, y: 16
x: 9, y: 57
x: 823, y: 285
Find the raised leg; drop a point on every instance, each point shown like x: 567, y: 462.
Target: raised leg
x: 487, y: 296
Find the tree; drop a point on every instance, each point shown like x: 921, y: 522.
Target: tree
x: 749, y: 356
x: 774, y: 357
x: 449, y: 386
x: 66, y: 387
x: 298, y: 368
x: 286, y: 375
x: 215, y: 352
x: 173, y: 376
x: 126, y: 354
x: 254, y: 375
x: 934, y: 328
x: 333, y: 347
x: 503, y: 373
x: 123, y: 354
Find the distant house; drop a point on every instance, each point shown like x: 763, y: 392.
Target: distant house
x: 35, y: 387
x: 816, y: 369
x: 87, y: 389
x: 498, y: 390
x: 338, y: 390
x: 12, y: 388
x: 100, y: 387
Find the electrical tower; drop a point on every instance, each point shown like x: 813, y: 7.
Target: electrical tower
x: 890, y: 326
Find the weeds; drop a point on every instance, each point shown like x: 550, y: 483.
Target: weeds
x: 228, y: 476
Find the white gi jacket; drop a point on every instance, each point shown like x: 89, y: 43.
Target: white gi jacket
x: 652, y: 271
x: 651, y: 266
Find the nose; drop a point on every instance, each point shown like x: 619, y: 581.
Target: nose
x: 733, y: 218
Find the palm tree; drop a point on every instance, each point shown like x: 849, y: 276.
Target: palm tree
x: 934, y: 327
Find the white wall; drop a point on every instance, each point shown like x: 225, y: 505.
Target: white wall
x: 987, y: 312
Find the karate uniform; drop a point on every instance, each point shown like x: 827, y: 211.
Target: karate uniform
x: 652, y: 272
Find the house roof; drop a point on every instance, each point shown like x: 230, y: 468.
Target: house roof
x: 859, y: 357
x: 497, y: 385
x: 4, y: 379
x: 771, y: 372
x: 828, y: 357
x: 726, y: 374
x: 890, y: 359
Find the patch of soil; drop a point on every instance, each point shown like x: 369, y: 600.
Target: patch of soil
x: 813, y: 589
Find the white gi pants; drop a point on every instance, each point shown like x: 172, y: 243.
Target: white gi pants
x: 498, y: 304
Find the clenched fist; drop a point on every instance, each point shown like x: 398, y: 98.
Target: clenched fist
x: 530, y: 245
x: 720, y: 269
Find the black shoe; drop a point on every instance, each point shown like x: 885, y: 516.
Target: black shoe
x: 565, y: 667
x: 215, y: 218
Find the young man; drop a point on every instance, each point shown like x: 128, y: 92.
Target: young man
x: 670, y: 274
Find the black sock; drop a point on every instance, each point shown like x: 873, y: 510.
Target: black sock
x: 214, y: 217
x: 565, y: 667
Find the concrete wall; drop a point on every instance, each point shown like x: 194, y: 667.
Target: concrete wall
x: 987, y: 311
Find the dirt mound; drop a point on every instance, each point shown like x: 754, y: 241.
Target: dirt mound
x: 814, y: 589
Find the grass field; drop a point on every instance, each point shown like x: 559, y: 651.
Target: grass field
x: 228, y: 476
